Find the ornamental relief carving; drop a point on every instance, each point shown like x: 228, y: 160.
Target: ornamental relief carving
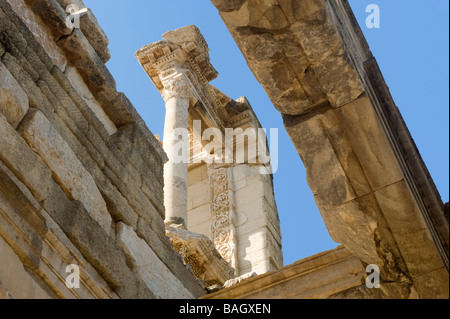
x: 221, y: 202
x: 223, y: 232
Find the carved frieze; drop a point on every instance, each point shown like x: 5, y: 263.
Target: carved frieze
x: 223, y: 232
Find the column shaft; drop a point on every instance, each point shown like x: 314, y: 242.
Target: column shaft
x: 175, y: 170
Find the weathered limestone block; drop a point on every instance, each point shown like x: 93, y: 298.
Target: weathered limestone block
x: 135, y: 149
x: 132, y: 142
x: 35, y: 96
x: 361, y: 226
x: 97, y: 37
x: 15, y: 281
x: 4, y: 294
x: 67, y: 169
x: 67, y: 112
x: 163, y: 248
x: 53, y: 15
x: 23, y: 272
x: 94, y: 244
x: 70, y: 124
x: 433, y: 285
x: 295, y: 52
x: 135, y: 197
x: 26, y: 229
x: 271, y: 67
x: 91, y: 29
x: 257, y: 14
x: 238, y: 280
x: 16, y: 229
x: 363, y: 132
x: 13, y: 42
x: 71, y: 92
x: 344, y: 152
x: 147, y: 266
x: 13, y: 100
x: 227, y: 6
x: 410, y: 232
x: 199, y: 253
x: 315, y: 277
x: 389, y: 290
x: 325, y: 174
x: 40, y: 33
x: 10, y: 39
x: 126, y: 113
x: 92, y: 69
x: 58, y: 252
x: 117, y: 204
x: 338, y: 79
x: 21, y: 159
x: 77, y: 82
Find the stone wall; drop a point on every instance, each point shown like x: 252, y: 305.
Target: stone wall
x: 199, y: 200
x: 256, y: 216
x: 81, y: 176
x: 257, y: 221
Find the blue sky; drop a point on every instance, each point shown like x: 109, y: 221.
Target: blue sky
x: 411, y: 47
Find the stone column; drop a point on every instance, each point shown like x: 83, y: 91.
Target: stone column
x: 176, y: 94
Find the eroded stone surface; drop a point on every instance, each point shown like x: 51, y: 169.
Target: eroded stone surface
x: 40, y: 33
x: 295, y: 52
x: 67, y: 169
x: 13, y: 286
x: 13, y: 100
x: 199, y: 253
x: 235, y: 281
x: 315, y: 277
x: 148, y: 266
x: 21, y: 159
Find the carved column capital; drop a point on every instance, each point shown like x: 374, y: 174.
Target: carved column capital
x: 176, y: 86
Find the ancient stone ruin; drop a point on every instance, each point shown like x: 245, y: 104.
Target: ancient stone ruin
x: 93, y: 205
